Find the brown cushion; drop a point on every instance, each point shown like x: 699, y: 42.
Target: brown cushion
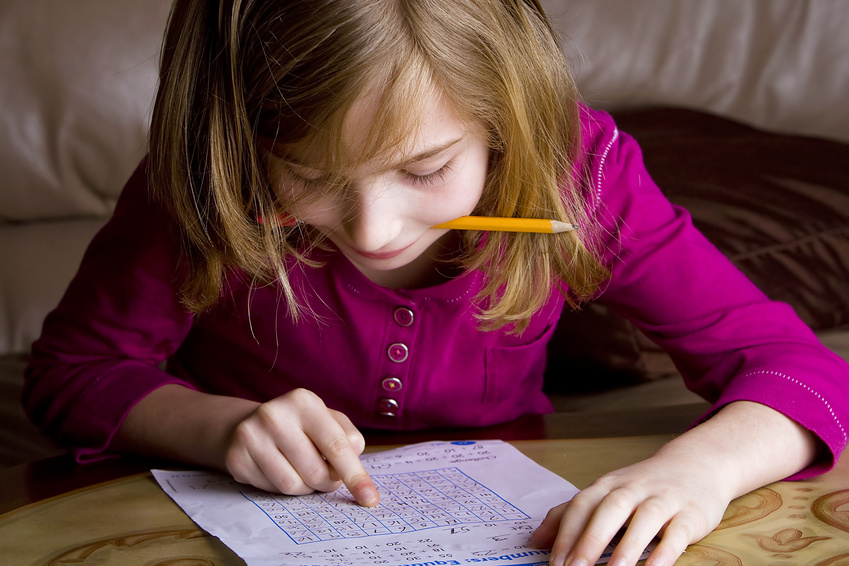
x: 776, y: 205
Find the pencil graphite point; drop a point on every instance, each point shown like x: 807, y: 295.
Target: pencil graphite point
x: 557, y: 227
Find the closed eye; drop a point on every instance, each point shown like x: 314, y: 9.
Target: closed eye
x: 306, y: 177
x: 429, y: 179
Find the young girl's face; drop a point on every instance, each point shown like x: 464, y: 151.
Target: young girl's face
x: 382, y: 220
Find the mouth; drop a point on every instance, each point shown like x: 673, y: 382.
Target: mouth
x: 378, y: 255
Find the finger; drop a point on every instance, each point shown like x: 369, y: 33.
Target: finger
x: 647, y: 522
x: 545, y: 533
x: 333, y: 443
x: 294, y: 442
x: 334, y: 475
x: 614, y: 511
x: 355, y: 437
x: 290, y: 423
x: 276, y: 442
x: 257, y: 461
x: 309, y: 464
x: 245, y: 470
x: 574, y: 517
x: 677, y: 535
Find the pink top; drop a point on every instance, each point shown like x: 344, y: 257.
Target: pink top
x: 415, y: 359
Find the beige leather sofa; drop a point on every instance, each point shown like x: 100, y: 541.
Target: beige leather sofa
x: 77, y: 80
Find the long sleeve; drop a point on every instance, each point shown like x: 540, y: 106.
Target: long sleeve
x: 728, y: 340
x: 100, y: 350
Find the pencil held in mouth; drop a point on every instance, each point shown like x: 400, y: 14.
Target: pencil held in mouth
x: 494, y: 224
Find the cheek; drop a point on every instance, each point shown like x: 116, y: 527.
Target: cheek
x: 467, y: 188
x: 458, y: 197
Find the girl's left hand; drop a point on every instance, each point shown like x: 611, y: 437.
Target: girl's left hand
x: 681, y: 492
x: 674, y: 496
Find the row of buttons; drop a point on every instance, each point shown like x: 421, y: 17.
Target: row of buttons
x: 398, y: 353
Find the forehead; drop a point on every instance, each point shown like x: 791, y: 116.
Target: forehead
x: 408, y: 131
x: 378, y: 131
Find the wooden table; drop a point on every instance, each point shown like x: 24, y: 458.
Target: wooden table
x: 57, y: 513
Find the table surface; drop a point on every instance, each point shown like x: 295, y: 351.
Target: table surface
x: 59, y: 513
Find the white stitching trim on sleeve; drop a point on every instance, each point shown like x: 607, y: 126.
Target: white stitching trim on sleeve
x: 599, y: 172
x: 807, y: 388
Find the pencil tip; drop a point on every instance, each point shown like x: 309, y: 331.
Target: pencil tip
x: 558, y: 227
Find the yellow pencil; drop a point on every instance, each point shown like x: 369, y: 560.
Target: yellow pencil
x: 508, y: 224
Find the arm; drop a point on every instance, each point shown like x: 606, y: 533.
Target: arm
x: 727, y: 339
x: 779, y: 405
x: 102, y: 347
x: 292, y: 444
x: 682, y: 491
x: 94, y: 382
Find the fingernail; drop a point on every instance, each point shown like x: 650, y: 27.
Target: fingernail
x: 576, y: 562
x: 371, y: 498
x: 367, y: 495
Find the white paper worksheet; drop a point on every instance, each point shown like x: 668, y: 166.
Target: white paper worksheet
x: 440, y: 503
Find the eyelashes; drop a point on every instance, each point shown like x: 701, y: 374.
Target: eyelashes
x: 304, y: 180
x: 307, y: 182
x: 429, y: 179
x: 426, y: 180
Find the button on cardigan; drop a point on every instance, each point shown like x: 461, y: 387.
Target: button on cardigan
x: 412, y: 359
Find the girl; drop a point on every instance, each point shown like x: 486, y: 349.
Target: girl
x: 283, y: 285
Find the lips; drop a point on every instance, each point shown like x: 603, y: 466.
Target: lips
x: 381, y: 254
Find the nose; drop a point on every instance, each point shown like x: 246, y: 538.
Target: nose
x: 376, y: 216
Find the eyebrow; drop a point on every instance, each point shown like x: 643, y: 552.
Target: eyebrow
x: 404, y: 162
x: 431, y: 152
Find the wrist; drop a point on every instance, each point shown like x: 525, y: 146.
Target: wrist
x: 748, y: 445
x: 182, y: 424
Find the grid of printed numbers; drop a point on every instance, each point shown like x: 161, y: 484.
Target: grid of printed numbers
x: 409, y: 502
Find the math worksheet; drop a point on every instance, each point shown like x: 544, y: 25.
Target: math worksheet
x: 441, y: 503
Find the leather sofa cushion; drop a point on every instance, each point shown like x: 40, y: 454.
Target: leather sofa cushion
x: 77, y: 81
x: 776, y: 205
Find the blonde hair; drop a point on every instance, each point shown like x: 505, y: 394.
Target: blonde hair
x: 235, y: 73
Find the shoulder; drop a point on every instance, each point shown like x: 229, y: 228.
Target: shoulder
x: 596, y: 125
x: 620, y: 197
x: 140, y: 237
x: 606, y: 157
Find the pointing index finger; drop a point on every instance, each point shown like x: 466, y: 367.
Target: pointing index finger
x: 345, y: 462
x: 363, y: 489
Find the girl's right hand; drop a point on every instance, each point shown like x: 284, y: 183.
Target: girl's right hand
x: 295, y: 445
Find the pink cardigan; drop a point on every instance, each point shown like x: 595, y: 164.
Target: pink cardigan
x: 415, y: 359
